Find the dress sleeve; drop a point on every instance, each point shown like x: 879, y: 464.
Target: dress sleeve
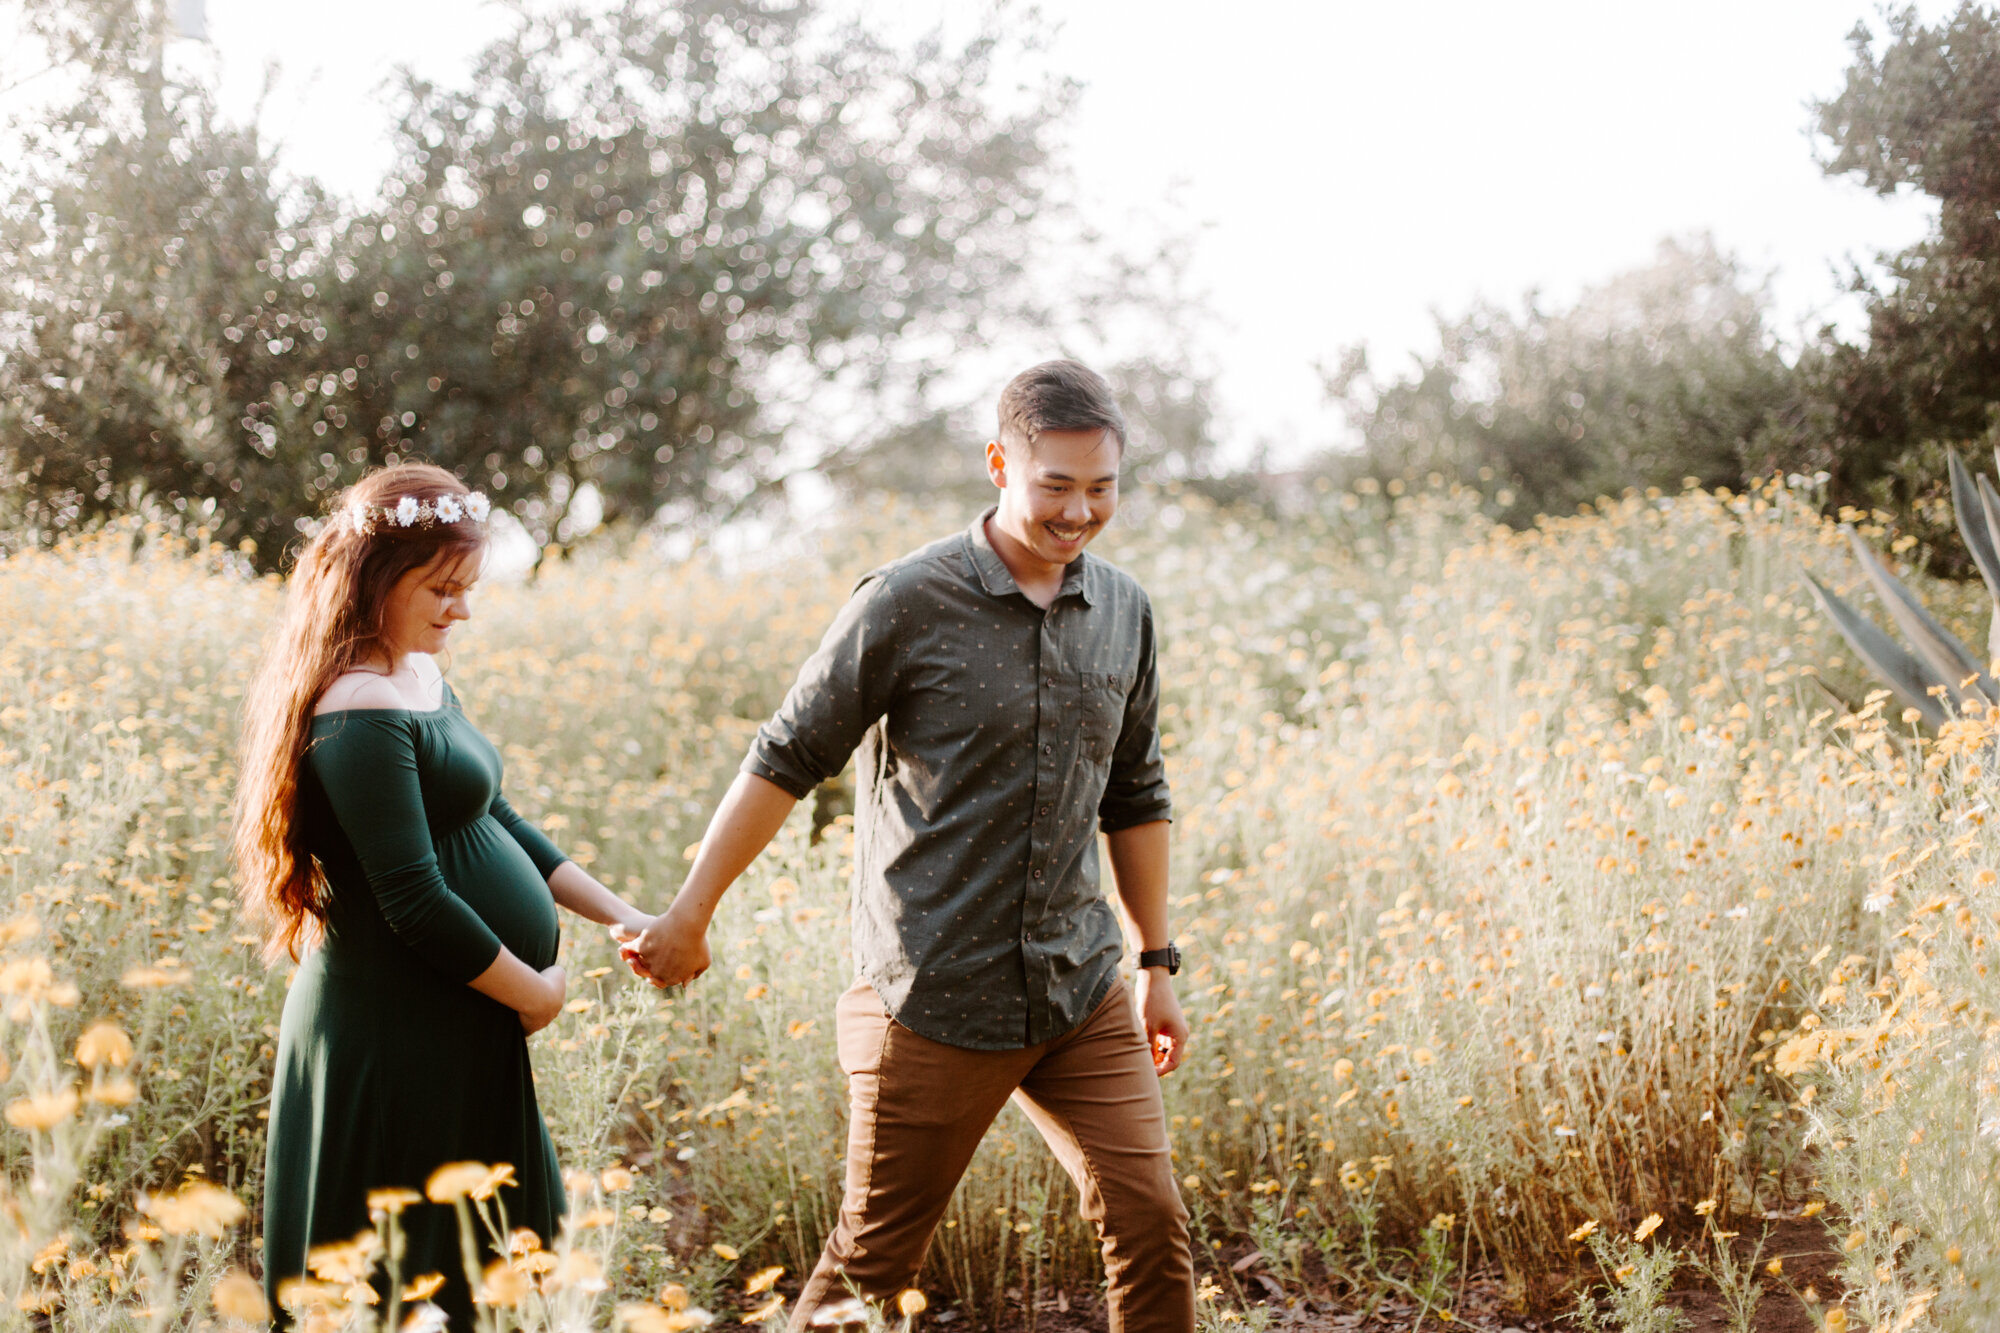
x: 1137, y: 791
x: 368, y: 768
x: 841, y: 691
x: 534, y: 842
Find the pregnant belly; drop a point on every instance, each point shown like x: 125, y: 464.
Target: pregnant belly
x: 485, y: 866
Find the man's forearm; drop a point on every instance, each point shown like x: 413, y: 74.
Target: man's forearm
x: 1139, y: 873
x: 750, y: 815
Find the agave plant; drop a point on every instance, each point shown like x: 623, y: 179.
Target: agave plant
x: 1937, y: 674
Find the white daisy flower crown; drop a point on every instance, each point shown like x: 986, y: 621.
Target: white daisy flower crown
x: 410, y: 512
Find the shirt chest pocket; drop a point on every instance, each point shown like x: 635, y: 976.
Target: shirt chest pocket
x: 1097, y: 712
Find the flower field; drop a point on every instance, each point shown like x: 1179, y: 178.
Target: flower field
x: 1528, y: 881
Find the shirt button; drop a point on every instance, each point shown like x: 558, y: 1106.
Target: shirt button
x: 1044, y: 810
x: 1048, y: 749
x: 1038, y: 874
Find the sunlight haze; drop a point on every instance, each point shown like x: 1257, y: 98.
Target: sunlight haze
x: 1418, y: 156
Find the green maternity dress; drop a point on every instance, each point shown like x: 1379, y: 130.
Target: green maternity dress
x: 389, y: 1064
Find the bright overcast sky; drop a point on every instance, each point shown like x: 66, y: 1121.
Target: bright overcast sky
x: 1353, y: 166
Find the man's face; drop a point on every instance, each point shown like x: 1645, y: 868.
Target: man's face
x: 1057, y: 493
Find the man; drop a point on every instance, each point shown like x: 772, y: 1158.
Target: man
x: 1001, y: 687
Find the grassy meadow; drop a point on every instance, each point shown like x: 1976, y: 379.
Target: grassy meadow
x: 1540, y: 891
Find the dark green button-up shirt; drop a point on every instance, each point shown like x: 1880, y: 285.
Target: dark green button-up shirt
x: 995, y: 739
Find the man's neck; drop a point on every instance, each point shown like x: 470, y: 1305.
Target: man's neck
x: 1038, y: 580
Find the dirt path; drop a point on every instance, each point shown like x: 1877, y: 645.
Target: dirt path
x: 1803, y: 1245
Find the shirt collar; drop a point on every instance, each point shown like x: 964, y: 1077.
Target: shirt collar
x: 1079, y: 576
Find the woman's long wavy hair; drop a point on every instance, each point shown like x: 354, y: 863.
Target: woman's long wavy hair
x: 332, y: 624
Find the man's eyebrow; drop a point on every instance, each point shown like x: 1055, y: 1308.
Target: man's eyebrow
x: 1064, y: 476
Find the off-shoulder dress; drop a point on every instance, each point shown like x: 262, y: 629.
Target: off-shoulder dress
x: 389, y: 1065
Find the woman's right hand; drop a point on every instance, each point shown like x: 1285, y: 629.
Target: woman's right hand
x: 547, y: 1005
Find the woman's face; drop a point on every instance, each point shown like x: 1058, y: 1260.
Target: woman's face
x: 427, y: 603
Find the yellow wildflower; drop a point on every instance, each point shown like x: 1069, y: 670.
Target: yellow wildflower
x: 114, y: 1092
x: 347, y: 1262
x: 103, y: 1043
x: 392, y: 1200
x: 454, y: 1181
x: 240, y: 1296
x: 42, y: 1110
x: 502, y: 1286
x: 197, y: 1208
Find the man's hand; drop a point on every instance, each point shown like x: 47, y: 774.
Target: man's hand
x: 669, y: 952
x: 1160, y: 1011
x: 626, y: 933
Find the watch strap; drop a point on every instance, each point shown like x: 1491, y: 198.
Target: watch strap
x: 1169, y: 958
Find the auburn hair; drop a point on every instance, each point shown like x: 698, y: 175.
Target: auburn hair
x: 332, y: 623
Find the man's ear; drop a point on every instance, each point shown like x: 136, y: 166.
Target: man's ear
x: 996, y: 463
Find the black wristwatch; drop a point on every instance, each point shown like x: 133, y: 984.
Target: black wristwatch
x: 1169, y: 958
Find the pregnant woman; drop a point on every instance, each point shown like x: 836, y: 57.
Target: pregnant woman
x: 374, y: 846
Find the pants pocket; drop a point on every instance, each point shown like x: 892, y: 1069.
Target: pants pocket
x: 860, y: 1024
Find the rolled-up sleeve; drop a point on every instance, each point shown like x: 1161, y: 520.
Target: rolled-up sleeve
x: 1137, y: 790
x: 844, y: 687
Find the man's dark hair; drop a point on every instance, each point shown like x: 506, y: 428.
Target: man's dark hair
x: 1058, y: 395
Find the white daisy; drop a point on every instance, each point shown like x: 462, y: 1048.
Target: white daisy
x: 448, y: 509
x: 407, y: 511
x: 478, y: 506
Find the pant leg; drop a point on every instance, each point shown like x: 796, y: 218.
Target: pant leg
x: 1096, y: 1099
x: 917, y: 1110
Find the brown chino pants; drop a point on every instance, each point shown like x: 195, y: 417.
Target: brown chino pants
x: 918, y: 1109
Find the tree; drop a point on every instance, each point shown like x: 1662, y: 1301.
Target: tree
x: 598, y: 264
x: 1660, y: 374
x: 1919, y: 111
x: 141, y: 229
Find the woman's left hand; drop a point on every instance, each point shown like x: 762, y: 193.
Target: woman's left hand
x: 630, y: 928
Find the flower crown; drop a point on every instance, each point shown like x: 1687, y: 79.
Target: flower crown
x: 410, y: 512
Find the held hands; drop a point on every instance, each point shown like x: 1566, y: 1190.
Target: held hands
x: 1160, y: 1011
x: 669, y: 951
x: 549, y: 1003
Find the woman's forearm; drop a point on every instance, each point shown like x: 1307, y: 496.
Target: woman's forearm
x: 578, y: 890
x: 513, y: 983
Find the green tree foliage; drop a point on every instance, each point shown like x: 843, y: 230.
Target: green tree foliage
x: 1663, y: 373
x: 142, y: 227
x: 596, y: 264
x: 1920, y: 110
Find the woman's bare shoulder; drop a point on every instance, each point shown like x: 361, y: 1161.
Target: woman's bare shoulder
x: 360, y: 691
